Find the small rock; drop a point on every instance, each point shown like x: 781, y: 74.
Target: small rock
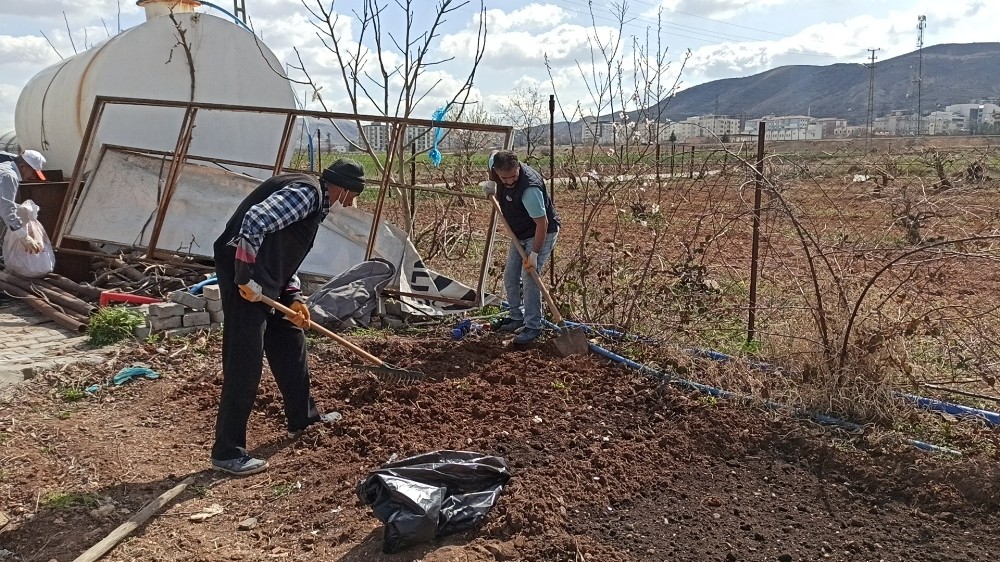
x: 103, y: 511
x: 247, y: 524
x: 210, y: 511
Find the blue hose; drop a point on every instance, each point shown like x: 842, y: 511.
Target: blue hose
x: 197, y: 288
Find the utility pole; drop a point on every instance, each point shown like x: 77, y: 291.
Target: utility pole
x: 921, y: 24
x: 870, y: 126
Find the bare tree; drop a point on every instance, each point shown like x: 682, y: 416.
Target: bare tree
x: 525, y: 111
x: 468, y: 142
x: 389, y: 76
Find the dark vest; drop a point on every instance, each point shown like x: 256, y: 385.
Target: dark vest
x: 7, y: 157
x: 513, y: 208
x: 282, y: 252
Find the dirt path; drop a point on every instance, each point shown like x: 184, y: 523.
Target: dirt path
x: 607, y: 465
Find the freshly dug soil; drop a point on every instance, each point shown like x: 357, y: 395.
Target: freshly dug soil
x: 607, y: 465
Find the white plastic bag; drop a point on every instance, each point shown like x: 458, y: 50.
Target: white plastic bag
x: 16, y: 259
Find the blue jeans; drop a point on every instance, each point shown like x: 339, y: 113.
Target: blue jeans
x: 515, y: 277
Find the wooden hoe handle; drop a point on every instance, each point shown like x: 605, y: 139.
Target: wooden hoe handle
x: 314, y: 326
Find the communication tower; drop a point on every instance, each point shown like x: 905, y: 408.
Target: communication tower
x: 921, y: 24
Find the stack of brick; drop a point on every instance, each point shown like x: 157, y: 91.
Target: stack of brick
x: 185, y: 313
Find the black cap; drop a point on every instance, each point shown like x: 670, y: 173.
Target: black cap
x: 345, y: 173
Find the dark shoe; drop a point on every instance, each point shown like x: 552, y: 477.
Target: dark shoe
x: 510, y: 325
x: 329, y: 417
x: 527, y: 335
x: 241, y: 466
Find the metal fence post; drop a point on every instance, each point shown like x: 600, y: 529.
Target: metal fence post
x: 755, y: 248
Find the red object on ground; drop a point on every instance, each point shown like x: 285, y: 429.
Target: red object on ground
x: 108, y: 297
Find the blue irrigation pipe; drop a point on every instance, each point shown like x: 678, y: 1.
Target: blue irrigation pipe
x: 720, y: 393
x: 197, y: 288
x: 991, y: 419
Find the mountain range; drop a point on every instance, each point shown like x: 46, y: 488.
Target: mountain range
x: 947, y: 74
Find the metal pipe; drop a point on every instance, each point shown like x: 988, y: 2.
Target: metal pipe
x: 755, y: 246
x: 75, y: 324
x: 176, y: 163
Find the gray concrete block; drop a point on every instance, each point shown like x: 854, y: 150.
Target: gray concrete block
x: 141, y: 332
x: 217, y: 316
x: 213, y: 306
x: 158, y: 324
x: 215, y: 326
x: 211, y: 293
x: 165, y: 310
x: 196, y: 319
x: 187, y: 299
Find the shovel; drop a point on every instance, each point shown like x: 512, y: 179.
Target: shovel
x: 570, y: 341
x: 377, y: 365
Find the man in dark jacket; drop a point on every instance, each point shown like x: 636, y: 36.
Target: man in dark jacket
x: 258, y: 253
x: 530, y: 213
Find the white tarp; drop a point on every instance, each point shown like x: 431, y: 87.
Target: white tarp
x: 118, y: 206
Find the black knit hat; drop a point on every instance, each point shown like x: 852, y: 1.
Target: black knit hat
x: 346, y: 173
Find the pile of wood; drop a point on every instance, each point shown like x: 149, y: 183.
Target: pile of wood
x: 59, y: 299
x: 128, y: 275
x: 70, y: 304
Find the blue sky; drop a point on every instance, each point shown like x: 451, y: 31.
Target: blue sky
x: 726, y: 38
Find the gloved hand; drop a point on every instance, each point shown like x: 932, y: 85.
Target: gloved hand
x: 489, y: 188
x: 532, y: 261
x: 302, y: 316
x: 251, y: 291
x: 30, y: 245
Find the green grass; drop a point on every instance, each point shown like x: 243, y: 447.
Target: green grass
x: 113, y: 324
x: 284, y: 489
x: 68, y: 500
x: 70, y: 394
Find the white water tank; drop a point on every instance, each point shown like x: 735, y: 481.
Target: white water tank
x: 230, y: 66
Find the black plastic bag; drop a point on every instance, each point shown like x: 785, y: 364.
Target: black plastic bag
x: 433, y: 495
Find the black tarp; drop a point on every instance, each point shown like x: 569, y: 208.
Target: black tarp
x: 434, y: 494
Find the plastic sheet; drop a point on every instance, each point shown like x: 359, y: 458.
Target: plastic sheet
x: 433, y: 495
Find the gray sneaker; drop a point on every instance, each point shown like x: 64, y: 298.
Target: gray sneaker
x: 329, y: 417
x: 240, y: 466
x: 510, y: 325
x: 527, y: 335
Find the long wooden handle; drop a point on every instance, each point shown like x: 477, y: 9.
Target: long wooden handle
x: 524, y: 257
x: 312, y: 325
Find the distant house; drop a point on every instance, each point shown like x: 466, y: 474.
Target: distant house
x: 832, y: 127
x: 787, y: 127
x: 378, y: 137
x: 943, y: 123
x: 706, y: 126
x: 976, y: 115
x: 597, y: 131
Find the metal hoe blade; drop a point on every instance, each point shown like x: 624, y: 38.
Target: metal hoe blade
x: 571, y: 341
x: 390, y: 372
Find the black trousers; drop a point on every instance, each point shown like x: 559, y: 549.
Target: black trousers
x: 252, y: 331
